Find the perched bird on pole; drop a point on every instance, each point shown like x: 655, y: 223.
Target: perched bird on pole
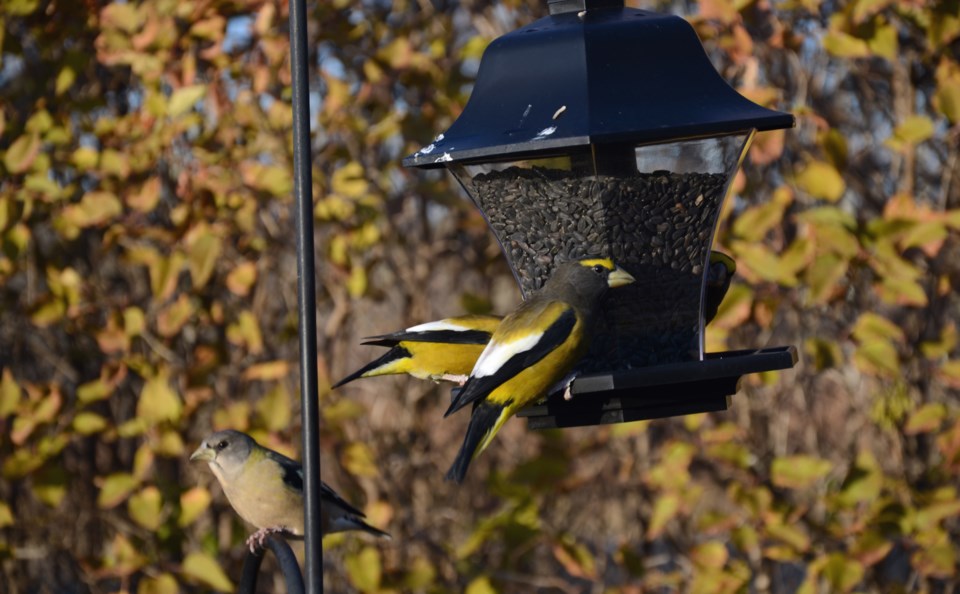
x: 532, y: 350
x: 719, y: 274
x: 443, y: 350
x: 266, y: 489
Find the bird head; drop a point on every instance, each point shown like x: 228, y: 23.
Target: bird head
x: 586, y: 279
x: 224, y: 450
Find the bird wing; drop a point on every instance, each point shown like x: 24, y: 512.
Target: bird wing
x: 462, y: 330
x: 328, y: 495
x: 522, y: 339
x: 292, y: 471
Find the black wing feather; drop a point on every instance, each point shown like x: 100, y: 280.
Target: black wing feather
x: 479, y: 387
x: 388, y: 357
x: 440, y: 336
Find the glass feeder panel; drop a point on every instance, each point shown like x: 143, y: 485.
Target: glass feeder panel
x: 654, y: 213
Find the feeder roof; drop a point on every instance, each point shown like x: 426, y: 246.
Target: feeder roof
x: 604, y: 75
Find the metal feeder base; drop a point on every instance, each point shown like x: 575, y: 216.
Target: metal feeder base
x: 655, y: 392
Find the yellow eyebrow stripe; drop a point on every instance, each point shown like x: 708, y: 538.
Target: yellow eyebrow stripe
x: 605, y: 262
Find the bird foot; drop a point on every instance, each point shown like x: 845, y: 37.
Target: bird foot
x: 568, y: 392
x: 257, y: 539
x: 458, y: 379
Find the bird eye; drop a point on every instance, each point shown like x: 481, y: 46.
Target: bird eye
x: 599, y: 269
x: 220, y: 445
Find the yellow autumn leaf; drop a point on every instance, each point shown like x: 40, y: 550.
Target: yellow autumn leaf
x: 203, y: 568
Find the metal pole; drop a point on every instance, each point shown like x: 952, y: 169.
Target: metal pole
x: 286, y: 559
x: 306, y: 301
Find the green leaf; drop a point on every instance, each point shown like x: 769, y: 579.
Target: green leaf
x: 22, y: 153
x: 95, y: 208
x: 20, y: 7
x: 120, y: 15
x: 884, y: 42
x: 275, y: 408
x: 821, y: 180
x: 203, y: 568
x: 841, y: 573
x: 50, y: 485
x: 665, y: 509
x: 192, y: 504
x: 480, y: 585
x: 710, y: 555
x: 88, y: 423
x: 115, y: 489
x: 948, y: 99
x: 144, y: 508
x: 183, y: 99
x: 172, y: 318
x: 791, y: 534
x: 358, y: 460
x: 823, y: 277
x: 754, y: 223
x: 246, y: 332
x: 364, y: 569
x: 10, y: 394
x: 798, y: 472
x: 6, y: 516
x: 161, y: 584
x: 842, y: 45
x: 925, y: 419
x: 204, y: 247
x: 349, y: 181
x: 878, y: 357
x: 914, y: 129
x: 158, y: 402
x: 871, y: 326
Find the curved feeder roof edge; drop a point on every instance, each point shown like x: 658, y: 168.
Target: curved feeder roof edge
x: 605, y: 75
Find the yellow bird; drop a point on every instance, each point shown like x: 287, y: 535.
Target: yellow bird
x: 266, y: 489
x: 443, y: 350
x: 531, y: 350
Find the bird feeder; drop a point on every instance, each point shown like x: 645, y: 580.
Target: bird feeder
x: 601, y: 130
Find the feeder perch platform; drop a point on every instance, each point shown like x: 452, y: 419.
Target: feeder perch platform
x: 667, y: 390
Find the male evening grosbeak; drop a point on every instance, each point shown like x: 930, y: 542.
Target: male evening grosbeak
x: 266, y: 489
x: 532, y: 349
x: 443, y: 350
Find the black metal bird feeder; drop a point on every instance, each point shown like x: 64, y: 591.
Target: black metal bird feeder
x: 602, y: 130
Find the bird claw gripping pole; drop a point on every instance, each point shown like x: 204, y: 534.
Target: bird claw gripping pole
x: 286, y: 559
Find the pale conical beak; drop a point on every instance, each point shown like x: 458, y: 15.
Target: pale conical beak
x: 619, y: 277
x: 203, y: 454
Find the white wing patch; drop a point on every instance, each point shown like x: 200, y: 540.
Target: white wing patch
x: 496, y: 354
x: 438, y: 325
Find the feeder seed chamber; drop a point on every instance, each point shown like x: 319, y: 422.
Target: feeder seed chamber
x: 604, y: 131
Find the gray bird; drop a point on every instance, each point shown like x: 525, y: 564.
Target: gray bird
x: 266, y: 489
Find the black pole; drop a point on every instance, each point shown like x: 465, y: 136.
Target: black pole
x: 286, y: 559
x: 307, y: 298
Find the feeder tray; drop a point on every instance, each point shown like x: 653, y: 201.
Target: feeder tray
x: 656, y: 392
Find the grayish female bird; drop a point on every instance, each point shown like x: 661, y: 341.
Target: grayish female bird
x: 266, y: 489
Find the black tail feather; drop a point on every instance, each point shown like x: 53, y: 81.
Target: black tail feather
x: 388, y: 357
x: 484, y: 418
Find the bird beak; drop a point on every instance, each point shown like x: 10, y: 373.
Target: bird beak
x: 203, y: 453
x: 619, y: 277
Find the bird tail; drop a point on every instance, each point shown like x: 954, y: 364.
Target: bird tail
x: 383, y: 365
x: 355, y: 523
x: 484, y: 424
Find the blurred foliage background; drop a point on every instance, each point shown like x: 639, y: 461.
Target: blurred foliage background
x: 147, y: 297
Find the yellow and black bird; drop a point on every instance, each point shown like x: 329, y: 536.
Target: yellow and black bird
x: 531, y: 350
x: 719, y: 274
x: 266, y: 489
x: 442, y: 350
